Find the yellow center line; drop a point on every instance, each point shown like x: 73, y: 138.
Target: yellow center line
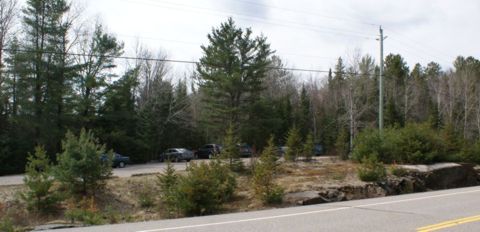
x: 447, y: 224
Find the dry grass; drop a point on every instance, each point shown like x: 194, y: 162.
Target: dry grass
x: 120, y: 202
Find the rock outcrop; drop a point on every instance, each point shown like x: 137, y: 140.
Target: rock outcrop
x: 419, y: 178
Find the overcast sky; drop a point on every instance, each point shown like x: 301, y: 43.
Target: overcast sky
x: 309, y: 34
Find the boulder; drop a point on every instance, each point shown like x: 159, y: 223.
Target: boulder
x: 444, y: 175
x: 304, y: 198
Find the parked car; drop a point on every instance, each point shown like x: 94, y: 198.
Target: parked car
x: 118, y: 160
x: 176, y: 155
x: 208, y: 151
x: 245, y: 150
x: 318, y: 150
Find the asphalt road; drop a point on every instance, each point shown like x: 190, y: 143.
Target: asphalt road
x: 128, y: 171
x: 449, y: 210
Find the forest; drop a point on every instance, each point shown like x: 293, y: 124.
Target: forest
x: 58, y: 74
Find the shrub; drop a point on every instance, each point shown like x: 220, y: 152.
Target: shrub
x: 415, y: 143
x: 470, y: 153
x: 294, y: 144
x: 205, y: 188
x: 86, y: 216
x: 40, y: 195
x: 371, y: 169
x: 6, y: 225
x: 80, y: 167
x: 85, y: 211
x: 263, y: 177
x: 146, y: 196
x: 398, y: 171
x: 168, y: 183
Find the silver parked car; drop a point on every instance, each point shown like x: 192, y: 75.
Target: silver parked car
x: 176, y: 155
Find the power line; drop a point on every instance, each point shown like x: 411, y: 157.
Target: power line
x: 309, y: 13
x: 314, y: 28
x: 165, y: 60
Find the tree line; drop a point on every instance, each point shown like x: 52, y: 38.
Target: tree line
x: 57, y: 74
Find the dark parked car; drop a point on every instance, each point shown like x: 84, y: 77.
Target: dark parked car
x: 208, y: 151
x: 245, y: 150
x: 117, y: 160
x: 176, y: 155
x: 318, y: 150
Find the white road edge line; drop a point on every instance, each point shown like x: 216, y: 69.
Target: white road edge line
x: 309, y: 212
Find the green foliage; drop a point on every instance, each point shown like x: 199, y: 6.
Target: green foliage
x: 294, y: 144
x: 205, y: 188
x: 263, y: 176
x: 416, y: 143
x: 231, y: 152
x: 6, y: 225
x: 308, y: 147
x: 371, y: 169
x: 470, y: 153
x: 231, y: 74
x: 83, y: 215
x: 168, y: 183
x: 40, y: 195
x: 146, y: 196
x: 80, y: 167
x: 398, y: 171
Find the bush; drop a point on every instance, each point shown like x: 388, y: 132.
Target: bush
x: 263, y: 177
x: 85, y: 211
x: 398, y: 171
x: 146, y: 196
x: 371, y: 169
x: 205, y: 188
x: 470, y: 153
x: 80, y: 167
x: 415, y: 143
x: 86, y: 216
x: 6, y: 225
x: 40, y: 195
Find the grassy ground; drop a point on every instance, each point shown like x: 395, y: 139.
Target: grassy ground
x: 136, y: 198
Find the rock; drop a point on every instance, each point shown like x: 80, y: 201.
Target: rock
x: 54, y: 227
x: 443, y: 175
x: 304, y: 198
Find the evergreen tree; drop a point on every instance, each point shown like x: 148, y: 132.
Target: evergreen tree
x: 230, y: 150
x: 308, y: 147
x: 168, y: 183
x: 231, y: 74
x: 84, y: 165
x: 40, y: 195
x: 264, y: 174
x: 294, y: 144
x: 117, y: 120
x: 94, y: 70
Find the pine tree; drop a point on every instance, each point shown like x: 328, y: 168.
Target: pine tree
x: 308, y: 147
x: 168, y: 183
x: 231, y: 74
x: 264, y: 175
x: 40, y: 195
x: 231, y: 151
x: 294, y: 144
x: 82, y: 168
